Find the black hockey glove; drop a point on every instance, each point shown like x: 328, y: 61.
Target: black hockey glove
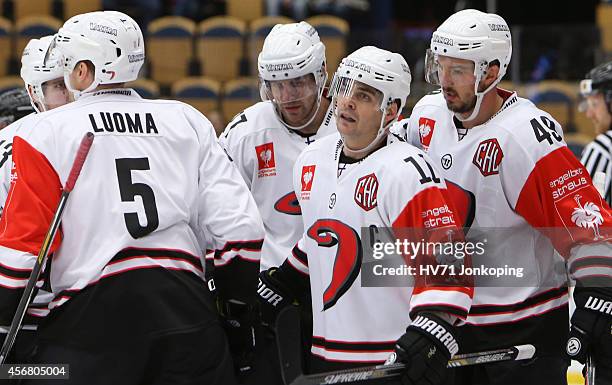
x: 591, y: 330
x: 238, y: 320
x: 425, y: 348
x: 273, y: 296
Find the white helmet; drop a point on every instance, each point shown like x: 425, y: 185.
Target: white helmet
x: 111, y: 40
x: 39, y: 66
x: 291, y: 51
x: 471, y: 35
x: 383, y: 70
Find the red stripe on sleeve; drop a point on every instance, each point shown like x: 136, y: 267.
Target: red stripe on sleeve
x: 32, y: 200
x: 559, y: 199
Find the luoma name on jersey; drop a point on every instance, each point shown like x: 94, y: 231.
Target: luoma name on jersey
x: 124, y: 123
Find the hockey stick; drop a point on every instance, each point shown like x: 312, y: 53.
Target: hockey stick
x: 26, y: 297
x: 513, y: 353
x: 288, y: 338
x: 590, y: 371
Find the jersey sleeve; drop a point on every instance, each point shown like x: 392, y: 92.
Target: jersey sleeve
x: 234, y: 145
x: 547, y: 185
x: 294, y: 272
x: 420, y: 209
x: 6, y: 164
x: 33, y: 197
x: 410, y: 130
x: 230, y: 218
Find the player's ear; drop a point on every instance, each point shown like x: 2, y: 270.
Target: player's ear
x: 392, y: 112
x: 491, y: 74
x: 30, y: 91
x: 83, y: 74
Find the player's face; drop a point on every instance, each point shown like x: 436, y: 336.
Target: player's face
x: 295, y: 98
x: 597, y: 112
x: 56, y: 94
x: 457, y: 81
x: 358, y: 114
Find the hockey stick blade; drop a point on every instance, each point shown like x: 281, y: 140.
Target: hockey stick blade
x: 355, y: 375
x: 28, y: 292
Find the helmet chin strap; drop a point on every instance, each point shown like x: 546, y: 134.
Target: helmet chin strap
x: 479, y: 96
x: 383, y: 132
x: 40, y: 98
x: 314, y: 114
x: 297, y: 128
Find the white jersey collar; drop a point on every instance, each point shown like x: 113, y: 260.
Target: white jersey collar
x: 124, y: 92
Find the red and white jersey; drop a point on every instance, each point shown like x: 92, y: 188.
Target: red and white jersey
x: 154, y: 178
x: 8, y: 278
x: 6, y: 158
x: 353, y: 323
x: 264, y: 151
x: 517, y: 174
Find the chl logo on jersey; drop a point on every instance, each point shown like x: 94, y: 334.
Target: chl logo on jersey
x: 308, y: 173
x: 265, y: 160
x: 488, y: 157
x: 366, y: 192
x: 426, y: 129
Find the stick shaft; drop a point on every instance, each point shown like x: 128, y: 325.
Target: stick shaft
x: 357, y: 375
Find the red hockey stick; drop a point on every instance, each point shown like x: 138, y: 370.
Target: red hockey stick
x: 28, y: 292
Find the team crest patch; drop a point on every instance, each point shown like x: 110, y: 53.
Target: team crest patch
x: 366, y: 192
x: 488, y: 157
x: 426, y: 129
x: 265, y: 160
x: 308, y: 173
x: 588, y: 216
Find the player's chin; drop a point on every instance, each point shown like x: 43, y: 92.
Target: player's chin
x: 344, y: 125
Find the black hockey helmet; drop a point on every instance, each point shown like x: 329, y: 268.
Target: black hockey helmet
x: 599, y: 79
x: 14, y: 105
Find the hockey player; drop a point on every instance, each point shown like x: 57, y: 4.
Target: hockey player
x: 356, y: 179
x: 44, y: 91
x: 597, y: 91
x: 265, y: 139
x: 517, y: 174
x: 130, y: 304
x: 44, y: 84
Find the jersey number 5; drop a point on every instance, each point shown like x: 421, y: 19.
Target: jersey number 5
x: 129, y: 190
x: 329, y: 233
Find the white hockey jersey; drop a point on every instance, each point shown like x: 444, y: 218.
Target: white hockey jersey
x: 154, y: 178
x: 264, y: 151
x: 520, y: 183
x: 353, y: 322
x: 6, y: 158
